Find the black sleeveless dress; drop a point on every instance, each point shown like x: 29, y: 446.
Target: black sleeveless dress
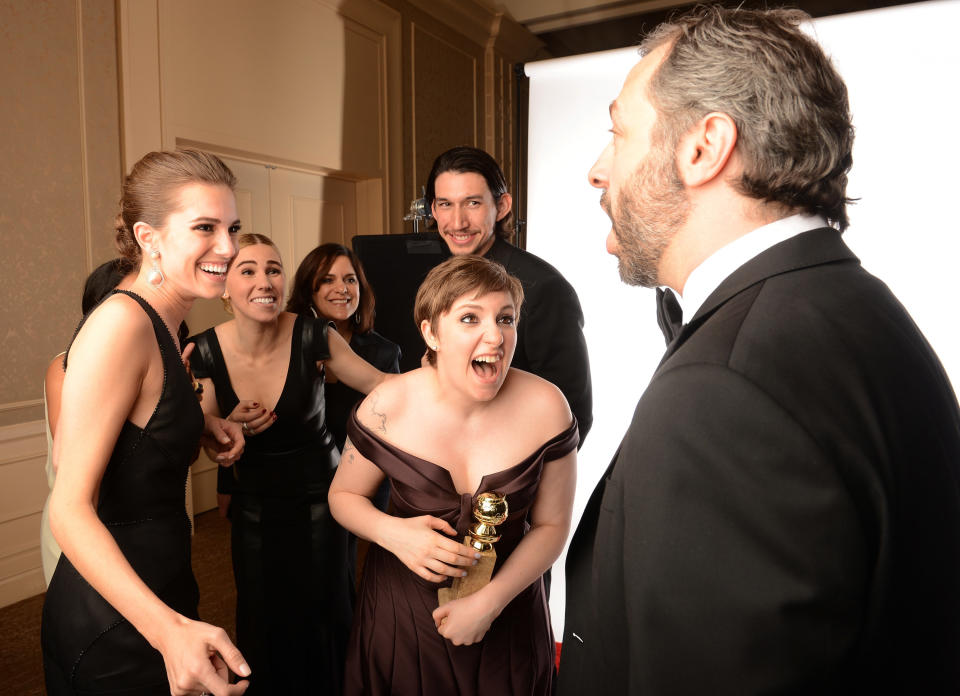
x: 290, y: 557
x: 88, y: 647
x: 395, y: 649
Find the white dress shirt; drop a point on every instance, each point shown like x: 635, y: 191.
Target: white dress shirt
x: 706, y: 277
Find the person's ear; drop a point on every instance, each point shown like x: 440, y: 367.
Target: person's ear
x: 145, y: 235
x: 428, y: 336
x: 504, y: 205
x: 705, y: 150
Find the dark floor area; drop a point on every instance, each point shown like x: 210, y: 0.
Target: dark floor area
x: 21, y: 671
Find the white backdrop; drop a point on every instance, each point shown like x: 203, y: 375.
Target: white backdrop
x: 899, y: 64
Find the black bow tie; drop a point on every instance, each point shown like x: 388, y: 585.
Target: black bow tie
x: 669, y: 314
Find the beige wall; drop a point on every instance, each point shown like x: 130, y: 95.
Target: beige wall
x: 361, y: 94
x: 58, y: 190
x: 58, y: 183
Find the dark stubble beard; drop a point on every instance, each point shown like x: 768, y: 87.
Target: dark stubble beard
x: 650, y: 209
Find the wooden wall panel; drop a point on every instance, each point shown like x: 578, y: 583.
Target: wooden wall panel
x: 364, y: 90
x: 103, y: 165
x: 445, y: 78
x: 44, y: 221
x: 302, y: 83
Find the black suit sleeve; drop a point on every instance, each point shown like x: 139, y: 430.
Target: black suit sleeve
x: 388, y: 358
x: 555, y: 347
x: 737, y: 550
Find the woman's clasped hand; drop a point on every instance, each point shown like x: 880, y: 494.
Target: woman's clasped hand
x: 419, y: 542
x: 252, y: 417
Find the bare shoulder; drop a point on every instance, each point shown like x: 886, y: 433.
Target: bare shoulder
x: 120, y: 309
x: 529, y: 393
x: 117, y: 327
x: 388, y: 401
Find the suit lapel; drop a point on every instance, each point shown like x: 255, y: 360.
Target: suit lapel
x: 813, y: 248
x: 807, y: 249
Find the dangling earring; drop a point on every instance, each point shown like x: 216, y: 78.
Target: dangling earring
x: 155, y: 277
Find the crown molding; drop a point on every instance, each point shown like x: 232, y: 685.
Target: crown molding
x: 473, y: 19
x: 598, y: 13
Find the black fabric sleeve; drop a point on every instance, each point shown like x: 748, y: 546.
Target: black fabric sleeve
x: 555, y: 347
x: 201, y: 360
x: 315, y: 345
x: 385, y: 355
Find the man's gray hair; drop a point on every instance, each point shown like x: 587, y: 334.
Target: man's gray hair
x: 790, y: 105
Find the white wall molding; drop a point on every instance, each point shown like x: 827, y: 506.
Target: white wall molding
x: 23, y: 489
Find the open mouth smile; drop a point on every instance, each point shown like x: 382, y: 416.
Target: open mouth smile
x: 461, y: 237
x: 487, y: 367
x: 217, y: 270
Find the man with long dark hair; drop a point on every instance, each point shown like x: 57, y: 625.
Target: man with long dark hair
x: 468, y: 197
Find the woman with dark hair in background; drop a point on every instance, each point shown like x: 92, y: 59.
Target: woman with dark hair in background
x: 330, y: 283
x: 265, y: 370
x: 120, y: 615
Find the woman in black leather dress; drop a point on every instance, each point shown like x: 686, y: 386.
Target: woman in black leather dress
x: 330, y: 283
x: 120, y: 615
x: 264, y: 369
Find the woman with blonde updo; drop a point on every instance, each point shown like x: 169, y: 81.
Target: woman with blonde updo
x: 264, y: 369
x: 120, y: 615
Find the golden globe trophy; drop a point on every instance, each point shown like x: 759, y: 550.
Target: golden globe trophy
x: 489, y: 509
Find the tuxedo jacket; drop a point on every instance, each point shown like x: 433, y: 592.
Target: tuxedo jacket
x: 550, y: 341
x: 783, y: 513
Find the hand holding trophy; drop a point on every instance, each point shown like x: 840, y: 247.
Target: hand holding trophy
x: 489, y: 509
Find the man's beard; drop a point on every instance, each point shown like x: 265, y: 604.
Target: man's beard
x: 650, y: 209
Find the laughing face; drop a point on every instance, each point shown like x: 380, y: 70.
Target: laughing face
x: 474, y: 342
x: 466, y: 212
x: 197, y: 241
x: 255, y: 282
x: 338, y: 291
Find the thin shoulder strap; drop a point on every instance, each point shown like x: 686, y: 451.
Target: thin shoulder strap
x: 150, y: 311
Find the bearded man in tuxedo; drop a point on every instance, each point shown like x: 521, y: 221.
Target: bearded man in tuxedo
x: 783, y: 513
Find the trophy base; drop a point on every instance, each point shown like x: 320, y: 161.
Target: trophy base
x: 477, y: 577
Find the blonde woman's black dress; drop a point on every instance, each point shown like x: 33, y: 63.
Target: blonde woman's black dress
x: 290, y: 557
x: 88, y: 647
